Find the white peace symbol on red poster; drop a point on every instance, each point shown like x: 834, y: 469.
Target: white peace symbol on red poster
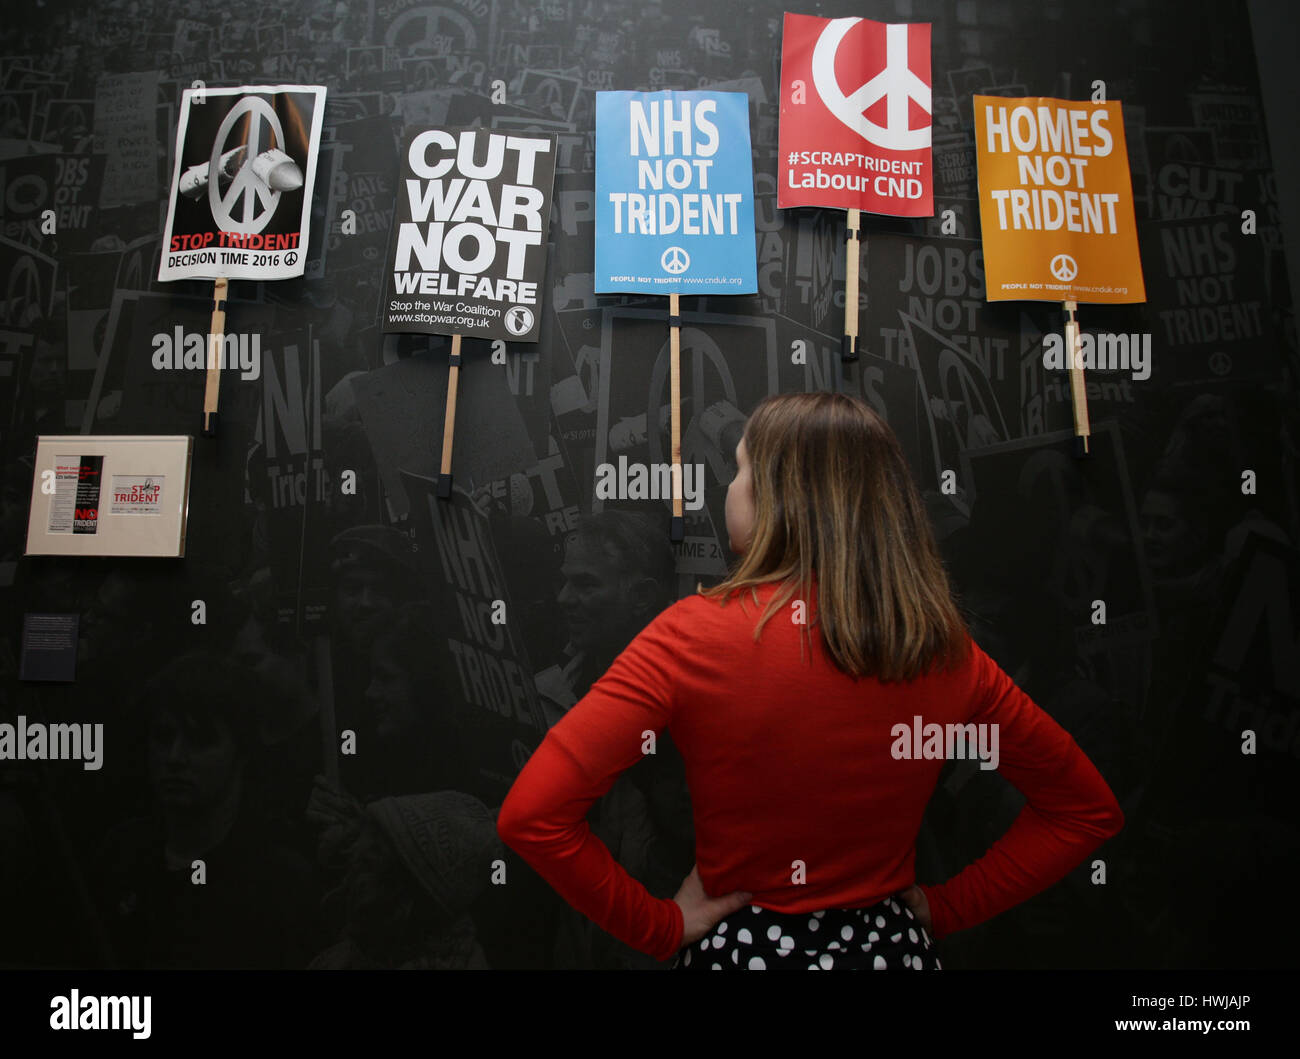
x: 896, y: 84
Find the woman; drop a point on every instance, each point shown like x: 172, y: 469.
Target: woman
x: 810, y: 757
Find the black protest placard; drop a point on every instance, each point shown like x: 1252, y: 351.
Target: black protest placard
x: 468, y: 251
x: 1075, y: 527
x: 490, y: 711
x: 288, y: 475
x: 729, y: 363
x: 941, y: 287
x: 1209, y: 291
x: 962, y: 406
x: 891, y: 387
x: 29, y: 278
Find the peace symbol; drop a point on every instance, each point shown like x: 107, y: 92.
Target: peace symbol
x: 897, y: 84
x: 675, y: 261
x: 245, y: 185
x: 1064, y: 267
x: 425, y: 23
x: 708, y: 382
x: 23, y: 298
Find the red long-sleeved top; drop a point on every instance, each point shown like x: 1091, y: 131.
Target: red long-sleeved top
x: 796, y: 795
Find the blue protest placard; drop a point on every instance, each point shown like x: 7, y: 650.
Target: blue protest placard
x: 674, y: 193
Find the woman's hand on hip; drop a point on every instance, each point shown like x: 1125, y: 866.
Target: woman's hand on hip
x: 915, y: 899
x: 700, y: 912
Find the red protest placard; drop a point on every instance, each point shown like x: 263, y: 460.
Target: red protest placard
x: 855, y: 116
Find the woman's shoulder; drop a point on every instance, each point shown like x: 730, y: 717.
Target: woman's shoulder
x: 698, y: 602
x: 683, y: 614
x: 697, y: 612
x: 687, y: 609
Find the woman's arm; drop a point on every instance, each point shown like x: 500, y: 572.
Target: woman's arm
x: 544, y: 816
x: 1069, y: 810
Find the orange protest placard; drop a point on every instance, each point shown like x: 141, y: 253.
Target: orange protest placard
x: 1056, y: 201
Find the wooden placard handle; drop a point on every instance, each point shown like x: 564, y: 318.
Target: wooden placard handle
x: 852, y: 255
x: 449, y: 420
x: 1078, y: 386
x: 678, y: 530
x: 216, y: 337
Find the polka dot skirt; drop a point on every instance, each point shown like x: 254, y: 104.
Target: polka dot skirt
x: 881, y: 937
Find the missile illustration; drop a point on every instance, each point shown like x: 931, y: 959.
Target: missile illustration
x: 277, y: 170
x: 273, y: 167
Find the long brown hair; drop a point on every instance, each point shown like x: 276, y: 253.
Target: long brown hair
x: 834, y: 498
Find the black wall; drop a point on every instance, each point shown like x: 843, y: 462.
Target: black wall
x: 330, y: 611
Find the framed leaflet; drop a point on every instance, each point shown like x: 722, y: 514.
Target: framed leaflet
x: 110, y: 495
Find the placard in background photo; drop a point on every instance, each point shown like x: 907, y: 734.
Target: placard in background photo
x: 110, y: 495
x: 490, y: 714
x: 241, y: 190
x: 855, y: 130
x: 469, y: 244
x: 674, y: 193
x: 1056, y: 201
